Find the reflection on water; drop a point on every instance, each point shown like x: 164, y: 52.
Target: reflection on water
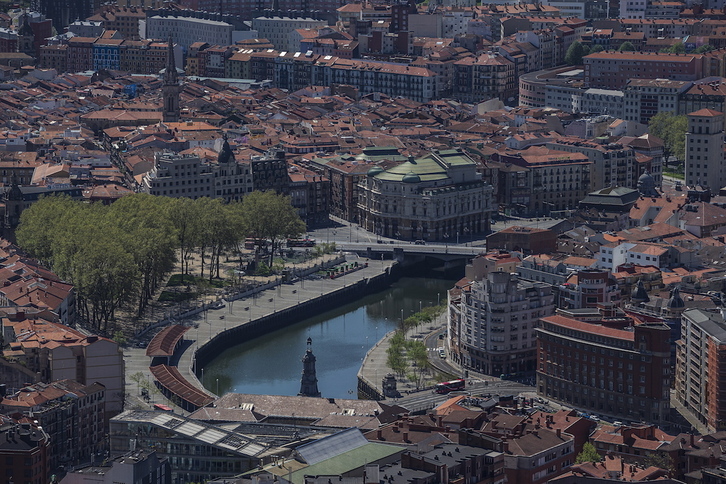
x: 341, y: 337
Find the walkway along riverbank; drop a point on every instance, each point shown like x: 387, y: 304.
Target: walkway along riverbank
x: 242, y: 317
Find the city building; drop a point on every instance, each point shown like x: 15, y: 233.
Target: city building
x: 700, y: 377
x: 485, y: 77
x: 187, y: 175
x: 71, y: 413
x: 528, y: 240
x: 618, y: 365
x: 346, y: 171
x: 705, y: 164
x: 644, y: 98
x: 440, y: 196
x: 187, y: 30
x: 196, y: 451
x: 24, y: 449
x: 139, y: 466
x: 611, y: 164
x: 269, y: 172
x: 708, y: 93
x: 546, y: 179
x: 58, y: 352
x: 492, y: 323
x: 280, y: 31
x: 612, y: 70
x: 588, y: 289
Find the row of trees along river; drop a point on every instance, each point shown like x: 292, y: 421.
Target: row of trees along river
x: 118, y: 255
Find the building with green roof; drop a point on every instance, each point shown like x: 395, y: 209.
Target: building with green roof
x: 435, y: 197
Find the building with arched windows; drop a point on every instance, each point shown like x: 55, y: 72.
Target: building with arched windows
x: 440, y: 196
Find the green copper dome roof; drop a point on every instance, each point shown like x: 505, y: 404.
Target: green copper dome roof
x: 375, y: 171
x: 411, y: 177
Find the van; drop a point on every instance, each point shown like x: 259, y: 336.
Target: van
x: 442, y: 353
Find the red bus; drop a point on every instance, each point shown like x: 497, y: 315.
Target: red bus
x: 450, y: 386
x: 163, y: 408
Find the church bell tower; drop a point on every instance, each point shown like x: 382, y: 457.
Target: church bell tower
x: 171, y: 87
x: 309, y: 381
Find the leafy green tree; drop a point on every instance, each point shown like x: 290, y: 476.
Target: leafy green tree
x: 596, y: 48
x: 184, y: 216
x: 417, y: 354
x: 150, y: 238
x: 626, y: 47
x: 672, y: 130
x: 677, y: 48
x: 660, y: 460
x: 588, y: 454
x: 703, y: 49
x: 269, y: 216
x: 574, y: 54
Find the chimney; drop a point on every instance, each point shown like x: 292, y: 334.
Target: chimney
x: 441, y: 420
x: 559, y: 432
x: 505, y: 447
x: 693, y: 440
x: 379, y: 434
x: 405, y: 436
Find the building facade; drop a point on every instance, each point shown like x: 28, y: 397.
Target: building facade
x: 618, y: 366
x: 492, y: 325
x: 440, y: 196
x: 700, y: 367
x: 188, y: 176
x: 187, y: 30
x: 704, y: 150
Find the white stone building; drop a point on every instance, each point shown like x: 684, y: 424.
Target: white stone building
x: 187, y: 30
x: 492, y: 323
x: 437, y: 197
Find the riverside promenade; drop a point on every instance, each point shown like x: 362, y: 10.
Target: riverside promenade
x: 235, y: 314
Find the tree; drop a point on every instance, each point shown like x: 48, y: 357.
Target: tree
x: 660, y: 460
x: 417, y: 353
x: 672, y: 130
x: 574, y: 54
x: 596, y: 48
x: 269, y: 216
x: 588, y: 454
x: 626, y: 47
x: 703, y: 49
x: 677, y: 48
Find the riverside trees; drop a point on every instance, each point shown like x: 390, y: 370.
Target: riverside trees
x: 119, y: 255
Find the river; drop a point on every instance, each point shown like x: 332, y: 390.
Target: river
x: 341, y: 337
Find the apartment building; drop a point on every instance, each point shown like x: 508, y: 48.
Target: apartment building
x: 644, y: 98
x: 280, y: 31
x: 58, y: 352
x: 708, y: 93
x: 618, y: 366
x: 588, y: 289
x: 541, y: 179
x: 71, y: 413
x: 612, y: 70
x: 484, y: 77
x: 24, y: 451
x: 187, y: 30
x: 492, y: 323
x: 700, y: 370
x: 80, y: 54
x: 705, y: 164
x: 187, y: 175
x: 612, y: 164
